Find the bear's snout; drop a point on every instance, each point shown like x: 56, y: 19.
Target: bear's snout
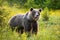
x: 37, y: 15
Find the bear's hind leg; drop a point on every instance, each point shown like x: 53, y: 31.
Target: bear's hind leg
x: 13, y: 28
x: 20, y: 30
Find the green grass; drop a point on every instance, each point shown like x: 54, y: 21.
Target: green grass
x: 47, y: 30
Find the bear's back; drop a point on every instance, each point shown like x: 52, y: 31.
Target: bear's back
x: 19, y: 19
x: 16, y: 20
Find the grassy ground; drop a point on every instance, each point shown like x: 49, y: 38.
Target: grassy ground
x: 47, y: 30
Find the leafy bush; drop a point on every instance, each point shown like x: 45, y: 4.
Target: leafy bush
x: 45, y: 14
x: 54, y: 4
x: 3, y: 15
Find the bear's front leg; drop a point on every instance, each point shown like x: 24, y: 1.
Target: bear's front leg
x: 34, y: 27
x: 27, y: 28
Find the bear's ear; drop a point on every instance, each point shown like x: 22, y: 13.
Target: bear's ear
x: 40, y: 9
x: 31, y: 9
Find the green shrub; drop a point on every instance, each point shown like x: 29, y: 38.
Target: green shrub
x: 45, y: 14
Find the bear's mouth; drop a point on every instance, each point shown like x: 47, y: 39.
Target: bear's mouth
x: 36, y: 18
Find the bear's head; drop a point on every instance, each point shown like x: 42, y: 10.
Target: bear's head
x: 34, y: 14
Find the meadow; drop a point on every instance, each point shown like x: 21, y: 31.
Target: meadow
x: 48, y: 25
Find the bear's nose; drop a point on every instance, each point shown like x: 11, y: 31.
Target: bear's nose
x: 37, y: 15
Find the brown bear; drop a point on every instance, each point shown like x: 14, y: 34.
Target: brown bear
x: 27, y: 22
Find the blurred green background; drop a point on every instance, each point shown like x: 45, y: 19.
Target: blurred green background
x: 48, y: 24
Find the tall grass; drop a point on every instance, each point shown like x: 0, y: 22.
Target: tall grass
x: 47, y: 30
